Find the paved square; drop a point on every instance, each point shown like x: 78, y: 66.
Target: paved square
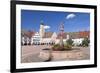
x: 31, y: 54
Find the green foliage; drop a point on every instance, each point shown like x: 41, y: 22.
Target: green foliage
x: 69, y: 42
x: 85, y: 42
x: 67, y: 47
x: 57, y: 47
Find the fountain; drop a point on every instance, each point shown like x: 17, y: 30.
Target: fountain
x: 49, y: 54
x: 61, y: 36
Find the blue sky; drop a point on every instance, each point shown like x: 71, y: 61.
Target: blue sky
x: 73, y: 21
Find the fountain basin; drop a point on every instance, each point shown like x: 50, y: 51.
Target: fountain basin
x: 62, y: 55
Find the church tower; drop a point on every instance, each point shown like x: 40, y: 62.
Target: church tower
x: 42, y: 30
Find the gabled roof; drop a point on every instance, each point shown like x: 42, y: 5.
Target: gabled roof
x: 48, y: 35
x: 27, y: 33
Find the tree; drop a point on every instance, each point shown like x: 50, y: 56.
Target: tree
x: 69, y: 42
x: 85, y: 42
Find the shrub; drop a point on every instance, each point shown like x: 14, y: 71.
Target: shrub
x: 57, y: 47
x: 69, y: 42
x: 67, y: 47
x: 85, y: 42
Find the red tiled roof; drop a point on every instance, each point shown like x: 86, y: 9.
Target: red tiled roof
x: 28, y: 33
x: 72, y: 35
x: 80, y: 34
x: 84, y: 34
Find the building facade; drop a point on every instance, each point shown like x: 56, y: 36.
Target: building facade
x: 49, y: 38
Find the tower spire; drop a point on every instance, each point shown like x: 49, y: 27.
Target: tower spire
x: 42, y: 30
x: 41, y: 22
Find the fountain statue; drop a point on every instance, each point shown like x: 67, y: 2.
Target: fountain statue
x: 61, y: 43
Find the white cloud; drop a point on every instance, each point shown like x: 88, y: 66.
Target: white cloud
x: 70, y: 16
x: 46, y: 27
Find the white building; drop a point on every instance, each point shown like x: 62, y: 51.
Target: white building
x: 77, y: 41
x: 49, y: 38
x: 78, y: 37
x: 25, y: 40
x: 36, y: 38
x: 26, y: 37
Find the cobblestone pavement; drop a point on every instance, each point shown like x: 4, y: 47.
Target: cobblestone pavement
x: 31, y: 53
